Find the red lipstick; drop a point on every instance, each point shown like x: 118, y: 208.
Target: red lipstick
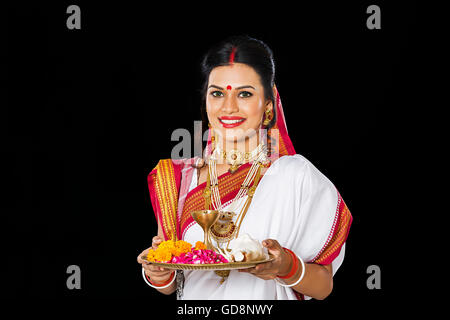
x: 231, y: 121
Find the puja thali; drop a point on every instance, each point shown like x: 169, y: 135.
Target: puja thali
x: 208, y: 266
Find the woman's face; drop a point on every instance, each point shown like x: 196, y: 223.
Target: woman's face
x: 235, y: 102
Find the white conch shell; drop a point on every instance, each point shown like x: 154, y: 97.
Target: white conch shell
x: 245, y: 249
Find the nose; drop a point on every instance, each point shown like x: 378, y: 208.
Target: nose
x: 230, y: 104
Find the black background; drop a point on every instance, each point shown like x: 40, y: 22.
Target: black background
x: 90, y: 112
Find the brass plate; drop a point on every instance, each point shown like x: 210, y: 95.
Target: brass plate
x: 212, y: 266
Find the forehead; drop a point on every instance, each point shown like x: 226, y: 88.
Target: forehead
x: 236, y: 74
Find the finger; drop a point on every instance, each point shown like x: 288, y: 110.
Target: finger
x: 266, y: 277
x: 271, y: 243
x: 154, y: 268
x: 159, y: 279
x: 162, y: 270
x: 153, y: 273
x: 156, y: 240
x: 263, y: 267
x: 158, y: 268
x: 272, y: 246
x: 252, y: 270
x: 157, y: 273
x: 265, y: 270
x: 140, y: 258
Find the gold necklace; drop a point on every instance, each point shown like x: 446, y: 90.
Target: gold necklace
x: 236, y: 157
x: 224, y: 230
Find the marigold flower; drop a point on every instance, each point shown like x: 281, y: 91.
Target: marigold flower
x: 199, y: 246
x: 183, y: 247
x: 163, y: 254
x: 151, y: 255
x: 169, y: 249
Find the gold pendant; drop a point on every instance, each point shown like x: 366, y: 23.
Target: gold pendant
x: 233, y: 168
x: 224, y: 229
x: 222, y: 273
x: 235, y: 158
x: 223, y: 232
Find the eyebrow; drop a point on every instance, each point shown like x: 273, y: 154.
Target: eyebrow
x: 238, y: 88
x: 243, y: 87
x: 214, y: 86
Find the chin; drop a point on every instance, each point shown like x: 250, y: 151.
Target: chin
x: 238, y: 134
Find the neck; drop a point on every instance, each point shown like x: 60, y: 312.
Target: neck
x: 247, y: 144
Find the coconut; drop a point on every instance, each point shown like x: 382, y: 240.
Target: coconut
x: 246, y: 249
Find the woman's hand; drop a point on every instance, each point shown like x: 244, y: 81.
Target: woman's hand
x: 156, y: 274
x: 280, y: 266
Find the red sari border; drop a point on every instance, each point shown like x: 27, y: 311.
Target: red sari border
x: 338, y: 234
x: 164, y: 184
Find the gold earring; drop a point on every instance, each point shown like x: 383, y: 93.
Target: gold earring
x: 213, y: 138
x: 268, y: 117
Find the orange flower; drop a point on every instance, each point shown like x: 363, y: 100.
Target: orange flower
x: 168, y: 249
x: 168, y: 244
x: 182, y: 247
x: 151, y: 255
x: 199, y: 246
x: 163, y: 255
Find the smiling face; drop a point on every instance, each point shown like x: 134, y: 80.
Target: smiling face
x: 235, y: 102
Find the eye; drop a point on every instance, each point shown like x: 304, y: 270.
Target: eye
x: 245, y: 94
x: 217, y: 94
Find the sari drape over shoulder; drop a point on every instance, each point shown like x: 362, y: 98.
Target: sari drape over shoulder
x: 294, y: 203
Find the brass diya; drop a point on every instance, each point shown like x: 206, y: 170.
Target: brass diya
x: 206, y: 218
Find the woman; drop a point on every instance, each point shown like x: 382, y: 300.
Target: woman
x: 287, y: 203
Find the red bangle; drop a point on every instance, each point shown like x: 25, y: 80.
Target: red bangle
x: 294, y: 265
x: 161, y: 284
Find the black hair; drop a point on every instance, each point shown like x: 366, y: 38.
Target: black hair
x: 247, y: 50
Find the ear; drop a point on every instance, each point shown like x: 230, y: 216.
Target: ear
x: 269, y: 103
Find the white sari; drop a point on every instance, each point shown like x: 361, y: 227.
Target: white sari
x: 294, y: 204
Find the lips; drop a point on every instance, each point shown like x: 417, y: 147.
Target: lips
x: 231, y: 121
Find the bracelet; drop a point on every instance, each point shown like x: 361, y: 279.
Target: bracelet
x: 294, y: 265
x: 299, y: 279
x: 163, y: 285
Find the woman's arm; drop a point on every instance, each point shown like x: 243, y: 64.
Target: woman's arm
x: 317, y: 281
x: 158, y: 275
x: 171, y: 289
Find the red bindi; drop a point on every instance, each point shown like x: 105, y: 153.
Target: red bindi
x: 228, y: 87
